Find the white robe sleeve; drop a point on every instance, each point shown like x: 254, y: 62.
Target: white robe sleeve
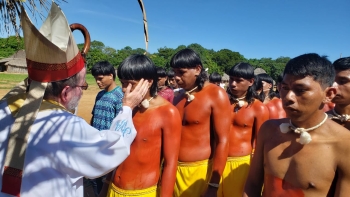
x: 91, y: 153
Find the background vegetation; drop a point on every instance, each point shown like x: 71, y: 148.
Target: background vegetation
x: 216, y: 61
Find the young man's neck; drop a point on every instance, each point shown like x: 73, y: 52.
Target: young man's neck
x: 240, y: 95
x: 111, y: 87
x: 314, y: 119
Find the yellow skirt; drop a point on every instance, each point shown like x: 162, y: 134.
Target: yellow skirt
x: 192, y: 178
x: 234, y: 176
x: 114, y: 191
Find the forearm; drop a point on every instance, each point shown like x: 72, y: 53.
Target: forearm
x: 219, y: 161
x: 168, y: 180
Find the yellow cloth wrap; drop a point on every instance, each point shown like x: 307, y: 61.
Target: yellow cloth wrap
x: 234, y: 176
x: 192, y: 178
x: 114, y: 191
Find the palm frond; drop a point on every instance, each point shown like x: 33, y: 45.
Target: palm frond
x: 10, y: 12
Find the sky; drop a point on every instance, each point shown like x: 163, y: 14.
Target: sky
x: 254, y: 28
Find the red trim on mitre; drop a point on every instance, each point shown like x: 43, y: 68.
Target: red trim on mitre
x: 44, y: 72
x: 11, y: 181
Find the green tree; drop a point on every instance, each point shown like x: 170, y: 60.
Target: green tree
x: 139, y: 51
x: 163, y: 57
x: 10, y: 45
x: 158, y: 60
x: 111, y: 55
x: 226, y: 58
x: 95, y: 54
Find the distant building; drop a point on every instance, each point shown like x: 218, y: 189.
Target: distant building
x: 259, y: 71
x: 16, y: 63
x: 225, y: 78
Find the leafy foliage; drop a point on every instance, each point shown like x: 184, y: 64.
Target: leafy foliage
x: 216, y: 61
x: 10, y: 45
x: 10, y: 11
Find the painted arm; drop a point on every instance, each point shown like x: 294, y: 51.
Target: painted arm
x: 221, y: 124
x: 262, y: 115
x: 272, y: 110
x: 171, y: 136
x: 255, y: 178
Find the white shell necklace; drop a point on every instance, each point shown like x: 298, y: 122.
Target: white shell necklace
x: 305, y: 137
x: 145, y: 103
x: 342, y: 118
x: 190, y: 97
x: 239, y: 101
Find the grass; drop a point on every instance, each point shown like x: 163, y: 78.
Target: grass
x: 9, y: 80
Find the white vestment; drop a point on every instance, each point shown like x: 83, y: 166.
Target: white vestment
x: 63, y: 148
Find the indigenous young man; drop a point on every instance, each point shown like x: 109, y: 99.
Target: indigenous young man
x: 163, y: 87
x: 267, y: 93
x: 340, y: 113
x: 247, y: 115
x: 205, y: 126
x: 108, y: 104
x: 45, y: 149
x: 215, y: 78
x: 299, y: 155
x: 275, y: 107
x: 171, y: 79
x: 157, y: 143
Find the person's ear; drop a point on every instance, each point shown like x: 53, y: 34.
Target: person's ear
x: 150, y: 82
x: 270, y: 85
x: 64, y: 94
x: 251, y: 81
x: 198, y: 70
x: 330, y: 94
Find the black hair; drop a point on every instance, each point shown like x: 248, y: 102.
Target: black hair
x: 245, y: 71
x: 161, y: 72
x: 188, y: 58
x: 278, y: 82
x: 342, y: 64
x: 257, y: 82
x: 215, y: 77
x: 268, y: 79
x: 313, y: 65
x: 258, y: 86
x: 279, y: 78
x: 103, y: 68
x: 136, y: 67
x: 171, y: 73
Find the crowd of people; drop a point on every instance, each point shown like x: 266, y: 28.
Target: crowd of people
x: 177, y: 133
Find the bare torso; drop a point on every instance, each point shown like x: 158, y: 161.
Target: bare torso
x: 245, y: 124
x: 305, y: 169
x: 142, y: 168
x: 196, y: 140
x: 276, y: 110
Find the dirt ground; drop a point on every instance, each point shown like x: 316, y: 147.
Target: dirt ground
x: 85, y: 105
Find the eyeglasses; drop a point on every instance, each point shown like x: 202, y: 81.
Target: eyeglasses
x: 84, y: 87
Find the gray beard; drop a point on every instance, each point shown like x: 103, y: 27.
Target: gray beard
x: 72, y: 104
